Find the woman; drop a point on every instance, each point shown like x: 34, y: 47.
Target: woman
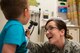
x: 56, y: 32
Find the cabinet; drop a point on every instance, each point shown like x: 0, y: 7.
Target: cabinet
x: 74, y: 31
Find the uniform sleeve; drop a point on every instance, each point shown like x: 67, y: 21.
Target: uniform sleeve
x: 76, y: 47
x: 34, y: 47
x: 38, y: 48
x: 13, y: 35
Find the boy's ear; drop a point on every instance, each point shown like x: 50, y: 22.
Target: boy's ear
x: 27, y: 14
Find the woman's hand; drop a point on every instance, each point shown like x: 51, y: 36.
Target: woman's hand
x: 28, y: 33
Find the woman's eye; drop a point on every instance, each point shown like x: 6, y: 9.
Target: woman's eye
x: 51, y: 28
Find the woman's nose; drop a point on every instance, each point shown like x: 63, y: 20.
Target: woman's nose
x: 47, y: 31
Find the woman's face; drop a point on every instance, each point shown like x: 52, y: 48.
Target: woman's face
x: 53, y: 33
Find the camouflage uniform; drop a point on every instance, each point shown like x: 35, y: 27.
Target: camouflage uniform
x: 70, y: 47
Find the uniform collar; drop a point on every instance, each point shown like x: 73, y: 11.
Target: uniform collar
x: 66, y: 48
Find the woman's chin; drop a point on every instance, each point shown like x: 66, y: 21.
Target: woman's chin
x: 51, y: 41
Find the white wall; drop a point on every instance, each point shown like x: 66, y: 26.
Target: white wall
x: 50, y: 5
x: 2, y: 20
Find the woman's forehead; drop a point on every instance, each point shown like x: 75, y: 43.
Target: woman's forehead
x: 51, y: 23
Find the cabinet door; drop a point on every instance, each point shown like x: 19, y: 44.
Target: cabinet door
x: 74, y: 32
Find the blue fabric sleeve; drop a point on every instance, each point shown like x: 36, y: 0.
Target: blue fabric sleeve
x: 27, y: 40
x: 14, y: 35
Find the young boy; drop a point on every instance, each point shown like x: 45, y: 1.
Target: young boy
x: 12, y: 38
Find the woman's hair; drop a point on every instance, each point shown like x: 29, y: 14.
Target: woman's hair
x: 60, y: 25
x: 13, y: 8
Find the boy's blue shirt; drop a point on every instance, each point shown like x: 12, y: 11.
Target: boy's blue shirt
x: 13, y: 33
